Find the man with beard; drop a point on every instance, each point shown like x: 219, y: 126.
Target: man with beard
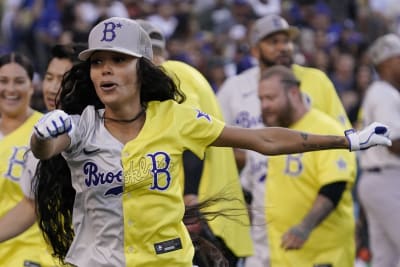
x: 308, y: 195
x: 272, y: 44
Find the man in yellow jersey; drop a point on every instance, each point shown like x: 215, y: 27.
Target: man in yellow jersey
x: 271, y: 40
x: 217, y: 175
x: 309, y: 204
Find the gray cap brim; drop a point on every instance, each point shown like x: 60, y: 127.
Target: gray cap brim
x: 84, y: 55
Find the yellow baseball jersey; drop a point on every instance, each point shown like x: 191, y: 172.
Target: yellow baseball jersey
x: 154, y: 234
x: 220, y: 177
x: 292, y: 187
x: 30, y: 245
x: 320, y: 93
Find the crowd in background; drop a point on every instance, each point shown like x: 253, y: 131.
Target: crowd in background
x: 212, y: 35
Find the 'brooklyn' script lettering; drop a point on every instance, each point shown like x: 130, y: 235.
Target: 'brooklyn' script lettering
x: 94, y: 177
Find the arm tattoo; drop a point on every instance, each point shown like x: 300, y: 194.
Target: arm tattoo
x: 321, y: 209
x: 334, y: 142
x: 301, y: 233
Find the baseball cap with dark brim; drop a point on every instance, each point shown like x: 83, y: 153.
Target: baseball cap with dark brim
x: 120, y: 35
x: 156, y: 36
x: 384, y: 47
x: 271, y: 24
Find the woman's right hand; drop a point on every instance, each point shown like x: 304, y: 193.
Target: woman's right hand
x: 53, y: 124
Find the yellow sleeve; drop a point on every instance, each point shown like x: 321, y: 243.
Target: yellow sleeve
x: 198, y: 129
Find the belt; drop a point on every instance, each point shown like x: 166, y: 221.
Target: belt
x: 375, y: 169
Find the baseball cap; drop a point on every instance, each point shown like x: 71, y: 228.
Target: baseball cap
x: 271, y: 24
x: 121, y: 35
x: 384, y: 47
x: 156, y: 36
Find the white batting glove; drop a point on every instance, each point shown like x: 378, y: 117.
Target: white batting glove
x: 53, y: 124
x: 372, y: 135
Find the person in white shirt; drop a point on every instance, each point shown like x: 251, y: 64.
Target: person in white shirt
x: 379, y: 181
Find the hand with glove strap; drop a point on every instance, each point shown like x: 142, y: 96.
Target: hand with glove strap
x: 372, y: 135
x: 51, y: 134
x: 53, y: 124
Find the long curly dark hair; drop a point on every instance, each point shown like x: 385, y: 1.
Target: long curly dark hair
x: 52, y: 184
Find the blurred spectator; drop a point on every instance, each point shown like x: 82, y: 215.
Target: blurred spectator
x: 349, y: 39
x: 363, y: 79
x: 343, y: 9
x: 389, y: 9
x: 216, y: 73
x: 265, y: 7
x: 79, y: 16
x: 187, y: 25
x: 92, y: 11
x: 164, y: 17
x: 321, y: 61
x: 242, y: 12
x: 137, y: 9
x: 217, y: 18
x: 34, y: 26
x: 371, y: 25
x: 342, y: 74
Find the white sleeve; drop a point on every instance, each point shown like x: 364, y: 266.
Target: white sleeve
x: 224, y: 99
x: 27, y: 175
x: 254, y: 173
x: 387, y: 110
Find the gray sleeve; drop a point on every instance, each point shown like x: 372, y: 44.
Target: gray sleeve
x: 27, y: 175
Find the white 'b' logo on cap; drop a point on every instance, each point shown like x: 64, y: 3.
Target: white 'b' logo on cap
x: 109, y: 31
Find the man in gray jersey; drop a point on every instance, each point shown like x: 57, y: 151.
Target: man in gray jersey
x: 379, y: 183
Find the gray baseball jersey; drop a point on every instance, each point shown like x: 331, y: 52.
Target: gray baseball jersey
x: 253, y: 179
x: 239, y: 101
x: 379, y: 181
x: 381, y: 103
x: 94, y: 158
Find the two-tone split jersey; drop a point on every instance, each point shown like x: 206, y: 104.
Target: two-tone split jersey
x: 144, y: 227
x: 292, y: 186
x: 29, y: 247
x: 154, y: 234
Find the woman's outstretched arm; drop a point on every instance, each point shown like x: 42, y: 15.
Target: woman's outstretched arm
x: 277, y: 140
